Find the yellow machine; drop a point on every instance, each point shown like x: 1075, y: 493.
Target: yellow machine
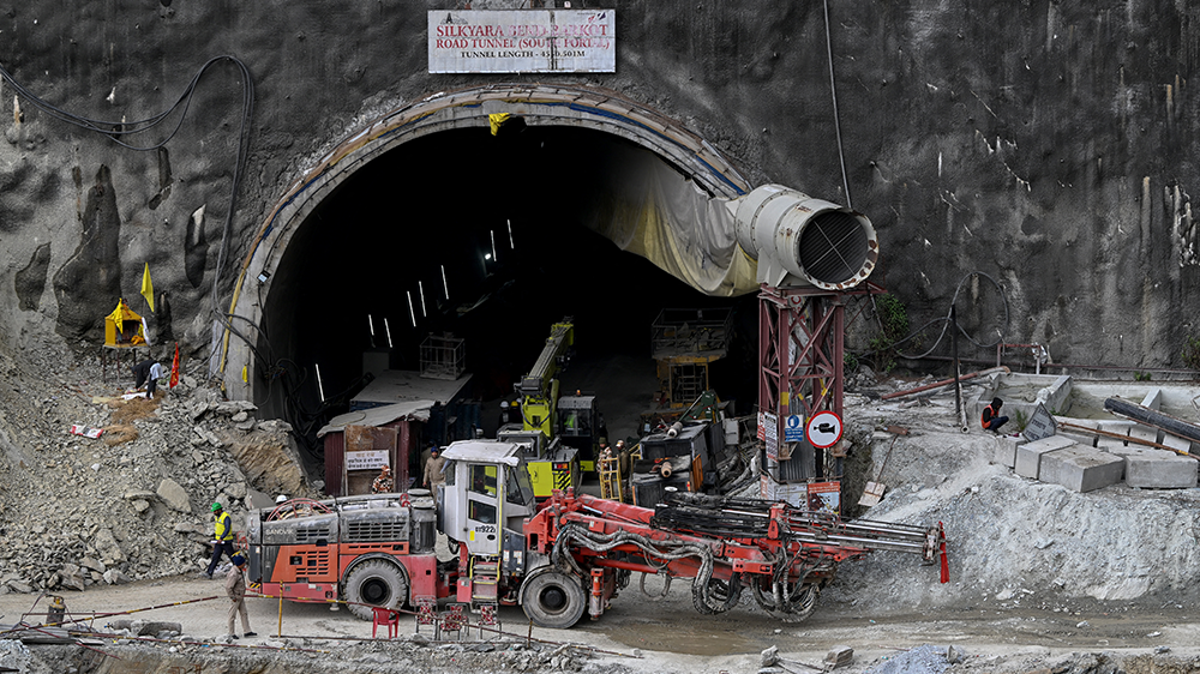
x: 539, y: 388
x: 551, y: 464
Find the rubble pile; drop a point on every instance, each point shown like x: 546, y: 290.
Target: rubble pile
x: 279, y: 656
x: 77, y: 511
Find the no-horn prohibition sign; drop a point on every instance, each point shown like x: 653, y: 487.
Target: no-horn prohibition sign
x: 823, y: 429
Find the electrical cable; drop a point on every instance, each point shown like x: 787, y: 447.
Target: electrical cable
x: 116, y: 131
x: 946, y: 321
x: 837, y: 124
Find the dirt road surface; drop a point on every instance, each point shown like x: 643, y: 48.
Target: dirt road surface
x: 635, y: 635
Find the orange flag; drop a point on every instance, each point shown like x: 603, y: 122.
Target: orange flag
x: 175, y: 368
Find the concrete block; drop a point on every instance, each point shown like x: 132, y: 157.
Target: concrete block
x: 1176, y: 442
x: 1029, y: 455
x: 1005, y: 452
x: 1153, y: 399
x: 1149, y: 468
x: 1122, y: 449
x: 1120, y: 427
x: 1144, y: 432
x: 1081, y: 469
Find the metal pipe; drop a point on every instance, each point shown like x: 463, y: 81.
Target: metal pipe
x: 936, y: 384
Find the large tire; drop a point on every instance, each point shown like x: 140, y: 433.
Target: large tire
x: 553, y: 599
x: 375, y: 582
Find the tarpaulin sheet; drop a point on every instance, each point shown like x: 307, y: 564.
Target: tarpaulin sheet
x: 657, y: 213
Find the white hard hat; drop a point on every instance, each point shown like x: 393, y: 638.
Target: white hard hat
x: 281, y: 498
x: 503, y: 404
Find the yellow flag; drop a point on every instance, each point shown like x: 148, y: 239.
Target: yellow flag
x: 148, y: 287
x: 496, y: 119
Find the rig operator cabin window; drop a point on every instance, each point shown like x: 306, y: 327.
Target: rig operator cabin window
x: 483, y: 484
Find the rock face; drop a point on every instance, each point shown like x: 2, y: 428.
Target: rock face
x: 1048, y: 146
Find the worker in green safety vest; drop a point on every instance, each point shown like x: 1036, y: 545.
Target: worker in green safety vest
x: 222, y: 538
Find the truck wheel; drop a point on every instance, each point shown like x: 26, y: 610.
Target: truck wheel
x: 375, y: 583
x: 553, y: 599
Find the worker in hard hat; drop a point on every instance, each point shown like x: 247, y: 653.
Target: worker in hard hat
x: 222, y: 537
x: 383, y: 482
x: 235, y: 587
x: 435, y: 467
x: 506, y: 416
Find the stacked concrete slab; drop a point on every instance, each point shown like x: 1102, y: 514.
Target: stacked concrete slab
x: 1150, y: 468
x: 1081, y: 468
x: 1084, y: 461
x: 1029, y: 455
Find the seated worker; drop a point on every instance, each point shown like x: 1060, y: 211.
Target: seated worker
x: 991, y: 419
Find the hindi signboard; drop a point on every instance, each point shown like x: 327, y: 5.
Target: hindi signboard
x: 1041, y: 425
x: 370, y: 460
x: 768, y: 431
x: 523, y: 41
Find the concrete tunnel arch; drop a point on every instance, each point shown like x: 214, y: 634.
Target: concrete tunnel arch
x: 537, y: 105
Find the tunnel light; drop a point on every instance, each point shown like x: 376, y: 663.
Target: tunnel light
x: 421, y: 293
x: 320, y: 386
x: 445, y: 286
x: 511, y: 245
x: 487, y: 256
x: 371, y: 323
x: 388, y: 329
x: 492, y: 234
x: 411, y: 314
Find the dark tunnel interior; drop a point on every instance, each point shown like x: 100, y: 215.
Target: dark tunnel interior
x: 479, y: 236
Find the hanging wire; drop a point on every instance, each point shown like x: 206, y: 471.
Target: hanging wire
x: 947, y: 321
x: 837, y: 125
x: 117, y: 131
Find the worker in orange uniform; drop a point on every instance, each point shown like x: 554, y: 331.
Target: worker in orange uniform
x: 383, y: 482
x: 991, y: 419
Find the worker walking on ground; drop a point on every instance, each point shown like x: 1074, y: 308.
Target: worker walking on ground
x: 991, y: 419
x: 383, y: 482
x: 434, y: 466
x: 148, y: 372
x: 235, y: 587
x: 222, y: 537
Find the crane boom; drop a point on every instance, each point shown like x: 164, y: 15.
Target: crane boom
x: 539, y: 388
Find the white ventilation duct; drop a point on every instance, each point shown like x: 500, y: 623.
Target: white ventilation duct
x: 802, y: 241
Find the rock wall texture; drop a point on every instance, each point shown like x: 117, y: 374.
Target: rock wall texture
x: 1047, y: 145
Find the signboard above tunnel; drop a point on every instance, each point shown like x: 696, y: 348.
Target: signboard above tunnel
x: 523, y: 41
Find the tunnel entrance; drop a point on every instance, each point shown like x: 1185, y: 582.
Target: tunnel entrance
x: 457, y: 230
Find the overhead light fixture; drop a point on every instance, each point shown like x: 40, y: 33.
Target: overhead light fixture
x: 262, y: 278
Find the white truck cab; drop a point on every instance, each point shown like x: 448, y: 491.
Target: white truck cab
x: 487, y: 495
